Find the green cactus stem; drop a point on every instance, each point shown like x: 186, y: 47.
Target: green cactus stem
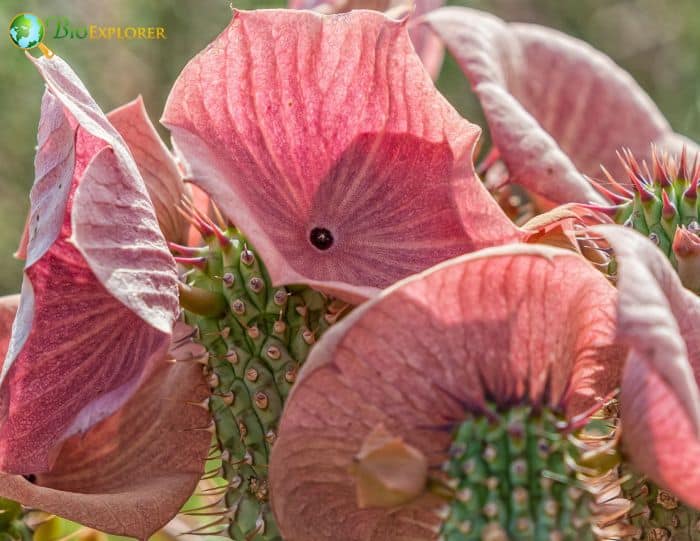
x: 518, y: 475
x: 657, y: 514
x: 659, y: 201
x: 257, y: 337
x: 12, y: 524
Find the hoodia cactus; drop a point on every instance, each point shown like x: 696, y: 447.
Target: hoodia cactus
x: 459, y: 405
x: 257, y: 337
x: 660, y: 201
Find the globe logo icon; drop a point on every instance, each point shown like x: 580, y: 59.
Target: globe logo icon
x: 26, y: 30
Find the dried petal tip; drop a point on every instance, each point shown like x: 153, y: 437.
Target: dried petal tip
x: 686, y: 248
x: 388, y: 471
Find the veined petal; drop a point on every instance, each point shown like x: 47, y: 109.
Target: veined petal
x: 156, y: 165
x: 511, y: 325
x: 99, y: 296
x: 131, y: 473
x: 660, y: 401
x: 556, y: 107
x: 296, y: 123
x: 427, y: 45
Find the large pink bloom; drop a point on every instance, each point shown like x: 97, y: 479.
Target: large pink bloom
x: 93, y: 410
x: 99, y: 296
x: 133, y: 471
x: 325, y: 141
x: 660, y: 402
x: 511, y: 325
x: 555, y: 106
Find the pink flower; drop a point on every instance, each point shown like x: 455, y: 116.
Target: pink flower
x: 324, y: 140
x: 132, y: 472
x: 157, y: 166
x: 506, y: 326
x: 90, y: 407
x: 660, y: 402
x: 555, y: 106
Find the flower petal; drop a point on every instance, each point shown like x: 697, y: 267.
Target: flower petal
x: 555, y: 106
x: 660, y: 400
x: 428, y: 46
x: 686, y: 248
x: 130, y: 474
x: 509, y: 324
x: 8, y: 309
x: 156, y: 164
x: 99, y: 296
x: 258, y: 114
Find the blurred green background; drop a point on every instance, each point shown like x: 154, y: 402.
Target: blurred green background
x: 657, y: 41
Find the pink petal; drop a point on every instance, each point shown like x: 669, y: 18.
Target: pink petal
x: 674, y: 144
x: 686, y: 248
x: 294, y: 121
x: 658, y: 434
x: 555, y: 105
x: 130, y: 474
x: 660, y: 399
x: 427, y: 45
x: 156, y: 165
x: 8, y: 309
x: 509, y: 324
x: 99, y: 295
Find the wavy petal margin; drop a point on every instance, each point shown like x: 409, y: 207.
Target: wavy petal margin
x: 296, y: 122
x: 428, y: 46
x: 555, y: 106
x: 99, y: 296
x: 157, y: 167
x: 131, y: 473
x: 660, y: 401
x: 508, y: 324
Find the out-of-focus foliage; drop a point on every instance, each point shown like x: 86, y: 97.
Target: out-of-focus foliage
x: 658, y: 42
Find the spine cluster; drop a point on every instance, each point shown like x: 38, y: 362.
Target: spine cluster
x: 658, y: 515
x: 658, y: 199
x: 516, y: 476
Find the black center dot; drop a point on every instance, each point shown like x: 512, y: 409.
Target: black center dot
x: 321, y: 238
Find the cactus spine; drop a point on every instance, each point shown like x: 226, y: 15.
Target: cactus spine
x: 658, y: 515
x: 517, y: 476
x: 257, y: 336
x: 659, y: 200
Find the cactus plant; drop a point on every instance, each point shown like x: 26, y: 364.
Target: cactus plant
x: 659, y: 199
x: 257, y: 337
x: 471, y: 366
x: 659, y: 397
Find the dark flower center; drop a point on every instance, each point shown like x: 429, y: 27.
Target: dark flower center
x: 321, y: 238
x: 31, y: 478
